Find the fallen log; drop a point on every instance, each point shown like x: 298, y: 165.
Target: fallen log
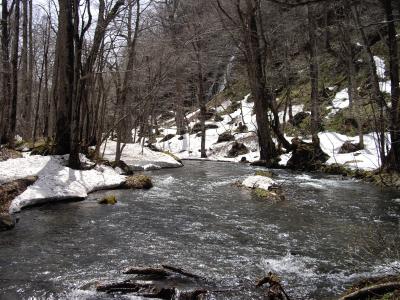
x: 373, y: 290
x: 158, y: 272
x: 146, y: 290
x: 181, y: 271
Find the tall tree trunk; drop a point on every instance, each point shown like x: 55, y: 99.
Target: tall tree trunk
x: 6, y: 78
x: 256, y: 76
x: 14, y: 66
x: 65, y: 71
x: 393, y: 160
x: 378, y: 95
x: 202, y: 105
x: 314, y: 74
x: 25, y: 105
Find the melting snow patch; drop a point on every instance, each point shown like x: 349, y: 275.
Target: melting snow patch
x: 380, y: 67
x: 55, y: 181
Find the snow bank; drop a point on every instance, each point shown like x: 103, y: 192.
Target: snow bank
x: 139, y: 158
x: 55, y: 180
x: 258, y: 181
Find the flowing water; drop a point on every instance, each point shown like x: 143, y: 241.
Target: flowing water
x: 318, y: 240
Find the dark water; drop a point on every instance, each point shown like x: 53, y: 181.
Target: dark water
x: 196, y: 219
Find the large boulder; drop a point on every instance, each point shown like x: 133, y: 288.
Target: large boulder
x: 7, y: 222
x: 237, y: 149
x: 225, y: 137
x: 349, y: 147
x: 306, y: 156
x: 197, y: 127
x: 138, y: 182
x: 109, y: 199
x: 10, y: 190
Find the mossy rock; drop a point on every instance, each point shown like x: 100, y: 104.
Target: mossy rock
x: 197, y: 127
x: 138, y: 182
x: 268, y: 174
x: 299, y: 118
x: 349, y: 147
x: 274, y: 194
x: 167, y: 137
x: 306, y: 156
x: 123, y: 166
x: 225, y: 137
x: 44, y: 149
x: 237, y: 149
x: 108, y: 200
x: 336, y: 169
x: 6, y: 153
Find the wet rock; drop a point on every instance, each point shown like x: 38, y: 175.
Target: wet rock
x: 197, y: 127
x: 7, y: 222
x: 126, y: 170
x: 306, y: 156
x: 138, y: 182
x: 237, y: 149
x: 180, y: 138
x: 109, y: 200
x: 349, y: 147
x: 225, y: 137
x: 167, y: 137
x: 299, y: 118
x: 244, y: 159
x: 268, y: 174
x: 10, y: 190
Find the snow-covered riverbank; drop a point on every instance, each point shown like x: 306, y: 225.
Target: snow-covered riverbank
x: 57, y: 182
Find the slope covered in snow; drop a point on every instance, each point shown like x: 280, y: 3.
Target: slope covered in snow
x: 140, y: 158
x: 188, y: 145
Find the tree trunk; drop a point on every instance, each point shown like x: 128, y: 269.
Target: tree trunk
x: 14, y: 66
x: 6, y: 78
x: 65, y: 71
x: 314, y: 74
x: 256, y: 76
x: 393, y: 160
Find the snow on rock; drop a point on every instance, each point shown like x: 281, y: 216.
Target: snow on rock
x: 55, y: 180
x: 258, y: 181
x: 139, y: 158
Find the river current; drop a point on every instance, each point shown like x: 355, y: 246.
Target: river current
x: 328, y: 233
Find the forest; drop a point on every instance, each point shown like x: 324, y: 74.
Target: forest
x: 210, y: 143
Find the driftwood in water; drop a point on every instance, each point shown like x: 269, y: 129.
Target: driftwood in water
x: 275, y: 290
x: 182, y: 272
x: 140, y: 289
x: 377, y: 289
x: 154, y: 272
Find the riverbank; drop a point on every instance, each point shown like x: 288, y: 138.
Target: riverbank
x: 55, y: 181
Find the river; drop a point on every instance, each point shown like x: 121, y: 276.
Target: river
x: 196, y: 219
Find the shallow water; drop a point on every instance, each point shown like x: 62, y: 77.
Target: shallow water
x: 196, y: 219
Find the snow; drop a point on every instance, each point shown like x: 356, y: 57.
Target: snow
x: 140, y: 158
x: 340, y: 101
x: 188, y: 147
x: 55, y: 180
x: 380, y: 67
x: 258, y: 181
